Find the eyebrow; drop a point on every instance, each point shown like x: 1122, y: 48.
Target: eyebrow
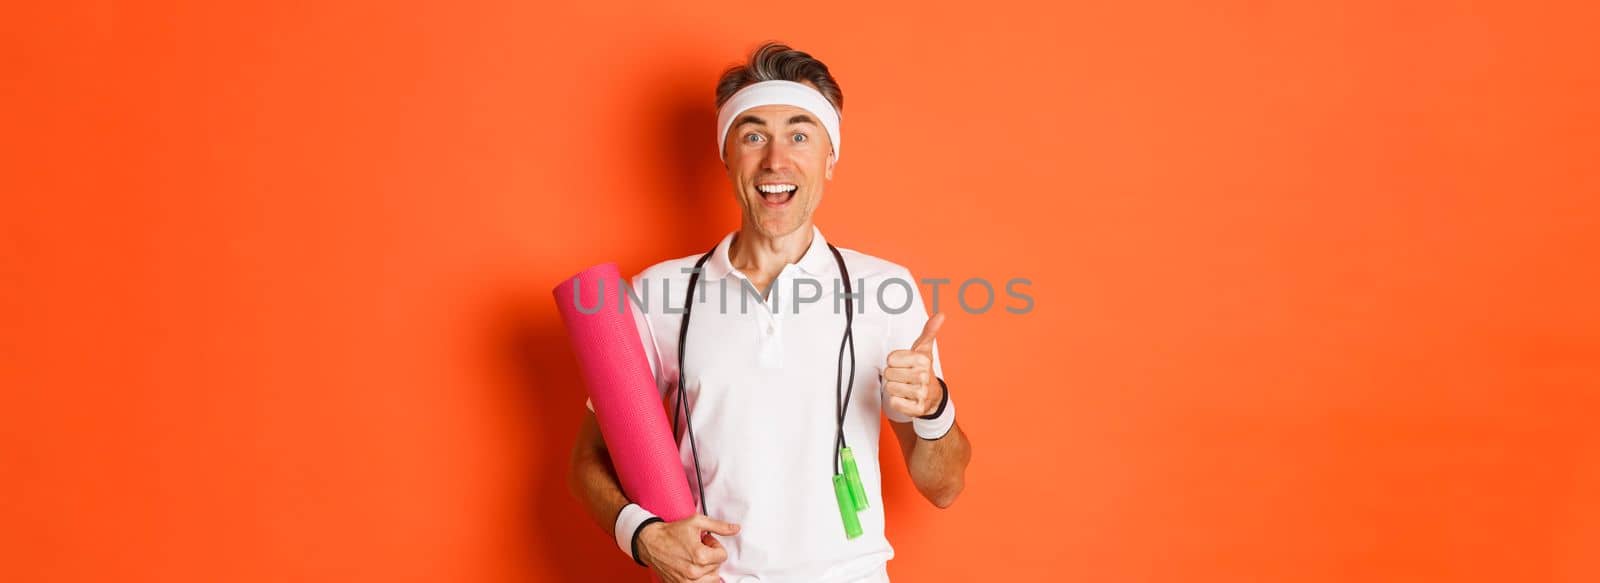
x: 751, y: 119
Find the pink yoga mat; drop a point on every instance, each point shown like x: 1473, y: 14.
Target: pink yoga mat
x: 620, y: 384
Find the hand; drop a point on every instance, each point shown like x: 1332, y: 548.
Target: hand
x: 908, y: 376
x: 683, y: 551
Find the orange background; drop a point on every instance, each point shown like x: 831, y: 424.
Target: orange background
x: 1315, y: 286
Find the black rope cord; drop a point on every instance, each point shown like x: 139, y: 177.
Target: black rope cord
x: 683, y: 400
x: 849, y: 337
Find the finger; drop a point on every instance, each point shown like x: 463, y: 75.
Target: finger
x: 905, y: 374
x: 914, y: 392
x: 908, y: 359
x: 905, y: 406
x: 716, y: 556
x: 708, y: 556
x: 716, y: 526
x: 701, y: 573
x: 929, y: 330
x: 703, y: 557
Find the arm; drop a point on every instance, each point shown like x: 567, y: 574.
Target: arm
x: 937, y: 458
x: 592, y: 479
x: 938, y: 467
x: 677, y: 551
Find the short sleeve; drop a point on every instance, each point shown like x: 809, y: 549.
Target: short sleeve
x: 646, y: 338
x: 904, y: 328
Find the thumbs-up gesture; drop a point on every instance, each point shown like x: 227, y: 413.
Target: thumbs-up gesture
x: 908, y: 376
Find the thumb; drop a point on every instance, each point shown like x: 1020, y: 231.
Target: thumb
x: 718, y: 526
x: 929, y: 330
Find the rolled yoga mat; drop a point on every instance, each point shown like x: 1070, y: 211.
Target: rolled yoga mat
x: 626, y: 402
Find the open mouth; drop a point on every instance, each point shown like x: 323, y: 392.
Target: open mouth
x: 776, y: 194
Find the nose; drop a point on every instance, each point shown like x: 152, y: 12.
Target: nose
x: 776, y: 156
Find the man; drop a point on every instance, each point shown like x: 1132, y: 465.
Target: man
x: 760, y: 364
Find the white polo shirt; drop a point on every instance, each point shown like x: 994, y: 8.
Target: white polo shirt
x: 761, y: 391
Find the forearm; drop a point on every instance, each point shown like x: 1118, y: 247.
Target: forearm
x: 939, y: 467
x: 593, y: 480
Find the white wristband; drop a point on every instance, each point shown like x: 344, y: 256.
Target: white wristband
x: 628, y: 522
x: 937, y: 427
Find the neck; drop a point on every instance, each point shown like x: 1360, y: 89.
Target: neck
x: 762, y: 257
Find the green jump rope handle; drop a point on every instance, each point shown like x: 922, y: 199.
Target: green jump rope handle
x: 847, y: 507
x: 858, y: 494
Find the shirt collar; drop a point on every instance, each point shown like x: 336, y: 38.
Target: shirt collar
x: 817, y: 260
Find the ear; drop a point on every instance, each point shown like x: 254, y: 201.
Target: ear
x: 829, y: 173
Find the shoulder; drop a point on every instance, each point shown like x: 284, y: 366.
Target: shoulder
x: 871, y: 267
x: 891, y: 300
x: 889, y: 288
x: 659, y: 288
x: 876, y: 273
x: 676, y: 268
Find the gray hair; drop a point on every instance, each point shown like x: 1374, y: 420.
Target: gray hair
x: 775, y: 61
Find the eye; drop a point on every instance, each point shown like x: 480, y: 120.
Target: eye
x: 801, y: 138
x: 753, y: 138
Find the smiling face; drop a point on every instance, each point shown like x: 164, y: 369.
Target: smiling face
x: 778, y: 157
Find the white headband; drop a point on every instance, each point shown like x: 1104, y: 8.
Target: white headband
x: 778, y: 93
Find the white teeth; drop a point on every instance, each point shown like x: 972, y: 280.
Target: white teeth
x: 775, y: 188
